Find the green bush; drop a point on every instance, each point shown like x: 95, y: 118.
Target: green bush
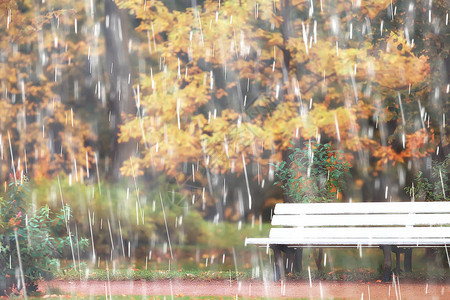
x: 30, y: 241
x: 435, y: 188
x: 313, y: 174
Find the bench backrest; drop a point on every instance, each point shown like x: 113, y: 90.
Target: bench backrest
x: 424, y: 223
x: 408, y: 214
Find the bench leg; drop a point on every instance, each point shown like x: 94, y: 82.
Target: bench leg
x: 290, y: 259
x: 298, y: 263
x: 293, y: 259
x: 408, y: 259
x: 277, y: 262
x: 387, y: 263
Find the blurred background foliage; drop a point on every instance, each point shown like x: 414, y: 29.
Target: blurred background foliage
x: 127, y: 228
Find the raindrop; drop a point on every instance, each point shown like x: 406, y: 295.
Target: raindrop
x: 337, y: 127
x: 8, y: 19
x: 351, y: 30
x: 309, y: 276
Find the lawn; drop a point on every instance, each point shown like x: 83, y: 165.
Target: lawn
x: 340, y: 264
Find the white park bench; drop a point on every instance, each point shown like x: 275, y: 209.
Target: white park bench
x: 392, y: 226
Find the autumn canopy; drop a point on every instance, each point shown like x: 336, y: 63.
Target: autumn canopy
x: 217, y: 92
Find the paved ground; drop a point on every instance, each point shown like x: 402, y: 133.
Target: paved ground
x: 317, y: 290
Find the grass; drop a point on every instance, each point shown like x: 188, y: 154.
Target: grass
x: 341, y: 264
x: 355, y: 275
x: 152, y: 275
x: 368, y: 275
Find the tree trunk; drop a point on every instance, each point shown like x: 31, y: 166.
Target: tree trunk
x: 319, y: 259
x: 120, y: 98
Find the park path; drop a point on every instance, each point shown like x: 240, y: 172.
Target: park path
x: 317, y: 290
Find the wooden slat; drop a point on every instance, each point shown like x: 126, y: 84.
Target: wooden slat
x: 362, y: 242
x: 361, y: 220
x: 362, y: 208
x: 361, y: 232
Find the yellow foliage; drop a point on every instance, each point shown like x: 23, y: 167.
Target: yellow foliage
x: 45, y: 132
x: 233, y: 78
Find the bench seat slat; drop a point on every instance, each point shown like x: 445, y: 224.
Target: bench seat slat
x: 362, y: 208
x: 361, y: 232
x: 361, y: 220
x: 362, y: 242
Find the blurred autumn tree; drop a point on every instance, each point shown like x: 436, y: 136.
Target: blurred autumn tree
x: 231, y: 83
x: 210, y: 94
x: 41, y: 67
x: 60, y: 92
